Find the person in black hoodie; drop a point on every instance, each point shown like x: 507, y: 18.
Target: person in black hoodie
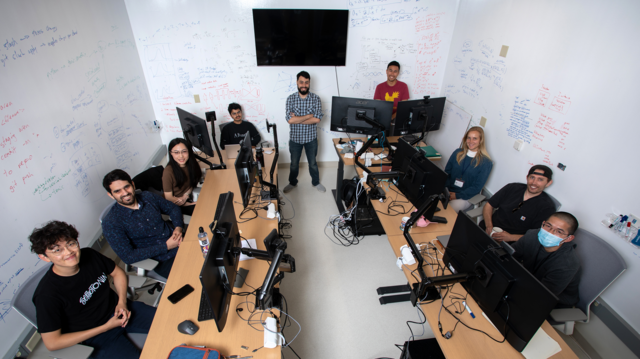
x: 234, y: 132
x: 549, y: 254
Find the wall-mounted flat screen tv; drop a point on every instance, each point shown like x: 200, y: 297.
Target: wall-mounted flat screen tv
x: 286, y: 37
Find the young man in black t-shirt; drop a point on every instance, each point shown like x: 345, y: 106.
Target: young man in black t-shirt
x: 520, y: 206
x: 234, y: 132
x: 74, y: 303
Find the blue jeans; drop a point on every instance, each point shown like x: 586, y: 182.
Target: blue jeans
x: 115, y: 343
x: 311, y: 149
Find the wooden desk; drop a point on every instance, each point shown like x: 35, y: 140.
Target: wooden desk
x: 466, y: 343
x: 164, y: 334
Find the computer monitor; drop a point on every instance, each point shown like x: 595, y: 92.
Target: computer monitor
x: 195, y: 131
x: 410, y: 116
x: 246, y: 169
x: 345, y: 115
x: 513, y: 299
x: 220, y: 266
x: 419, y: 178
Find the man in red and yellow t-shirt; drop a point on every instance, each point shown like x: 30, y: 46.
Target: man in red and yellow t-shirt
x: 392, y: 89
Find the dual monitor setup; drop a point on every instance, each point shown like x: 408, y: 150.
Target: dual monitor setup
x: 511, y: 297
x: 220, y: 268
x: 412, y: 172
x: 248, y: 170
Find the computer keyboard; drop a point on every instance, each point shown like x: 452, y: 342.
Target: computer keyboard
x: 204, y: 312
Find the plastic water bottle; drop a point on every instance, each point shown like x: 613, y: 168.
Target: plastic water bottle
x: 203, y: 238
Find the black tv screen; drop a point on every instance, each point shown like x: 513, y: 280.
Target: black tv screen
x: 286, y: 37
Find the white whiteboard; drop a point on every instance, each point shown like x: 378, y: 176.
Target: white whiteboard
x: 452, y: 128
x: 73, y: 106
x: 567, y: 88
x: 207, y: 48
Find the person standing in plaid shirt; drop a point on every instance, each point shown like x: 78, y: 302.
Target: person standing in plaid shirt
x: 304, y: 111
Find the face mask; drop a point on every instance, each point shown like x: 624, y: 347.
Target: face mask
x: 549, y: 240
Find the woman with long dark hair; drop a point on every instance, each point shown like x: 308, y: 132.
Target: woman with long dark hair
x: 181, y: 175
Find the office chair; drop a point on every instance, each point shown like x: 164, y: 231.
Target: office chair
x: 23, y: 304
x: 600, y: 264
x: 143, y: 269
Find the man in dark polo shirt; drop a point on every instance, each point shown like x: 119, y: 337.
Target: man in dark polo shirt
x: 549, y: 254
x: 520, y: 206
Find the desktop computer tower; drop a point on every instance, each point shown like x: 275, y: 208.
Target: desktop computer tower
x: 366, y: 220
x: 422, y: 349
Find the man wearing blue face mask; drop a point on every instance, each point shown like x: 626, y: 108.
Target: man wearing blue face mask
x: 548, y: 254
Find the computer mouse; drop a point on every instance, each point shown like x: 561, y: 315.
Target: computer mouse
x: 188, y: 327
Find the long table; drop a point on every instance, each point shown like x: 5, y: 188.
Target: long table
x: 464, y: 343
x: 164, y: 334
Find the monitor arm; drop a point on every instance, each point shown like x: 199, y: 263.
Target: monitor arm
x: 424, y: 126
x: 376, y: 192
x: 200, y: 158
x: 425, y: 289
x: 380, y: 128
x: 272, y: 193
x: 275, y: 145
x: 287, y: 263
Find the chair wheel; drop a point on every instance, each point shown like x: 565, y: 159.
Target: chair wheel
x: 157, y: 287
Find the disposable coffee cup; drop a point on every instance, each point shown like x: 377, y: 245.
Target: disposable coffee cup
x: 496, y: 230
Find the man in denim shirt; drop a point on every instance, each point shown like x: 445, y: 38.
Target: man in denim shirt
x: 134, y: 226
x: 304, y: 111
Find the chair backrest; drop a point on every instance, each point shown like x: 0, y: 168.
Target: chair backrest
x: 555, y: 201
x: 22, y: 301
x: 150, y: 180
x: 223, y: 124
x: 106, y: 210
x: 600, y: 264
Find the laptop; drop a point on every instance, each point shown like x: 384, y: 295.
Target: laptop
x: 232, y: 151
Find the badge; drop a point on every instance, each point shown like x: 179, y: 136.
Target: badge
x: 459, y: 182
x: 523, y: 218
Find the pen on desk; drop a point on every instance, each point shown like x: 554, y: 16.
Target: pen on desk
x: 468, y: 310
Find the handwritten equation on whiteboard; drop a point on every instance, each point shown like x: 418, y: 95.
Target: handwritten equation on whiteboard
x: 481, y: 71
x: 551, y: 129
x: 428, y: 57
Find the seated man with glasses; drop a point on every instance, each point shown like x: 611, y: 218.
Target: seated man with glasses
x: 519, y: 207
x: 547, y: 254
x: 74, y: 303
x: 134, y: 226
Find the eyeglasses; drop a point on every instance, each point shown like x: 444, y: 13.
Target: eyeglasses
x: 549, y: 228
x: 184, y: 152
x: 517, y: 208
x: 57, y: 251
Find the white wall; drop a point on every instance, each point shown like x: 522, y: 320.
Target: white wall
x: 73, y: 106
x: 567, y: 87
x: 207, y: 49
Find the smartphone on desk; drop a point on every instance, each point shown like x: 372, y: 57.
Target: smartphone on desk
x: 179, y: 294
